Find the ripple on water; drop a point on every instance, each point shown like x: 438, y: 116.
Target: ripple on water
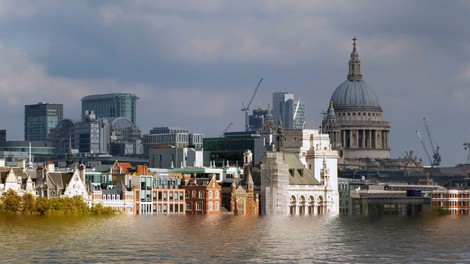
x: 234, y: 239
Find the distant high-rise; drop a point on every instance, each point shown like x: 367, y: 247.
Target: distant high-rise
x: 110, y: 105
x: 290, y: 110
x: 40, y: 118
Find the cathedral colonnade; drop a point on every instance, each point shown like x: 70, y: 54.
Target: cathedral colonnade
x: 307, y: 206
x: 363, y: 138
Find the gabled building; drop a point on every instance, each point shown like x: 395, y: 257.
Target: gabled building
x: 52, y: 183
x: 17, y: 179
x: 203, y: 196
x: 244, y: 200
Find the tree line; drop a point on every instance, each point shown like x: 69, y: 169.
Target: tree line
x: 12, y: 203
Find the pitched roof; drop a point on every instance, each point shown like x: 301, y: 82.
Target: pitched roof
x: 299, y: 175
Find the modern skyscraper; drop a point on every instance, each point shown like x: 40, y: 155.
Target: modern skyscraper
x: 290, y: 110
x: 40, y: 118
x: 111, y: 105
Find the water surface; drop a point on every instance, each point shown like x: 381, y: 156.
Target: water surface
x: 235, y: 239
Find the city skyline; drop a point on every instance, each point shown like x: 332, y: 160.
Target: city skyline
x: 194, y: 63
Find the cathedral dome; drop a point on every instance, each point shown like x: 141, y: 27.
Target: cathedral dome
x: 354, y: 92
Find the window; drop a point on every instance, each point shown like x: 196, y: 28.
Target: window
x: 210, y: 194
x: 181, y: 196
x: 104, y: 196
x: 171, y: 196
x: 216, y: 194
x: 189, y: 206
x: 186, y: 193
x: 210, y: 206
x: 217, y: 206
x: 194, y: 194
x: 199, y: 206
x: 164, y: 196
x: 201, y: 194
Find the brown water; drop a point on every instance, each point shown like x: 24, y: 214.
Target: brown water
x: 234, y: 239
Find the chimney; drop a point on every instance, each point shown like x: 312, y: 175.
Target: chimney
x: 50, y: 166
x: 21, y: 163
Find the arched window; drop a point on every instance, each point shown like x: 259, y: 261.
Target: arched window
x: 293, y: 204
x: 210, y: 194
x: 201, y: 194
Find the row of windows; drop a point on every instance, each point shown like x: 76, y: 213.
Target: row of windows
x: 453, y: 204
x: 451, y: 195
x: 168, y: 196
x: 212, y: 206
x: 200, y: 194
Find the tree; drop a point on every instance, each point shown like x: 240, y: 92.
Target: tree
x: 11, y: 202
x: 29, y: 203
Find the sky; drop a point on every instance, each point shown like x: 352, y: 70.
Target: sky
x: 193, y: 63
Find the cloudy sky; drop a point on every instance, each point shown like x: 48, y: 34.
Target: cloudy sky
x: 192, y: 63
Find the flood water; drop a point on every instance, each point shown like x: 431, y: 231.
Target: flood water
x: 234, y: 239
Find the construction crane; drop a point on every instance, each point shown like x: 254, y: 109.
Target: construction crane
x: 247, y: 107
x: 467, y: 147
x: 436, y: 157
x: 424, y: 147
x: 226, y: 129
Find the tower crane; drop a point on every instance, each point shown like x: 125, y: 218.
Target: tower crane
x: 436, y: 157
x: 247, y: 107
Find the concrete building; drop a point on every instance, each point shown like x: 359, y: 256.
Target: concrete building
x: 40, y: 118
x: 172, y: 136
x: 111, y: 105
x: 290, y: 187
x: 171, y: 157
x: 354, y: 119
x: 32, y: 151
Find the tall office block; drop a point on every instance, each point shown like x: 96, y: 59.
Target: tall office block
x: 40, y: 118
x: 111, y: 105
x: 290, y: 110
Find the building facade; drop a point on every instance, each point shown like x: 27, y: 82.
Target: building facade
x: 111, y: 105
x: 290, y: 187
x: 40, y: 118
x: 172, y: 136
x: 203, y: 196
x: 354, y: 119
x: 156, y: 194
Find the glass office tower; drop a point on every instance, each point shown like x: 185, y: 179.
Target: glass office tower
x: 40, y: 118
x: 110, y: 105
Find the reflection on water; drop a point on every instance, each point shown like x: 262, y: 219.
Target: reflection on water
x: 234, y: 239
